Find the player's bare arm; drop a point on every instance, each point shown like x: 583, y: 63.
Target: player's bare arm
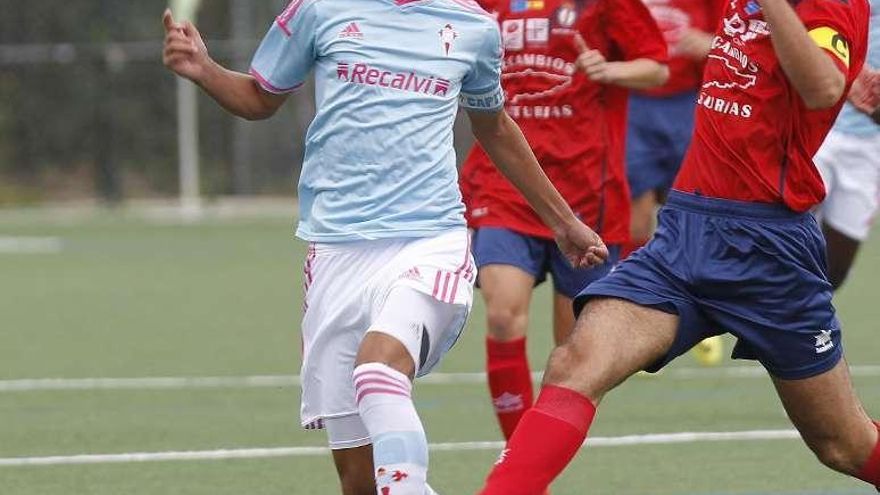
x: 695, y: 43
x: 507, y: 147
x: 186, y: 54
x: 640, y: 73
x: 809, y: 68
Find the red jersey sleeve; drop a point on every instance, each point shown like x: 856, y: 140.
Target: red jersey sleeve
x: 837, y: 27
x: 634, y: 31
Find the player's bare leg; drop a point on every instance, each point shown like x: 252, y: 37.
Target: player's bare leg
x: 507, y: 291
x: 842, y: 251
x: 355, y: 470
x: 612, y: 340
x: 644, y: 214
x: 563, y: 318
x: 399, y: 343
x: 831, y: 419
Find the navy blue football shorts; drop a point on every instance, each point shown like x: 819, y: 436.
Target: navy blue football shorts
x: 658, y: 135
x: 757, y: 271
x: 537, y: 257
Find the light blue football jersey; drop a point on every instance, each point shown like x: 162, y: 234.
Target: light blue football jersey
x: 390, y: 76
x: 850, y: 120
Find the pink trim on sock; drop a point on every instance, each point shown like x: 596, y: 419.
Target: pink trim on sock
x: 376, y: 390
x: 361, y: 383
x: 566, y: 405
x: 360, y: 375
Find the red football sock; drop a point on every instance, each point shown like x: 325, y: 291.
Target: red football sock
x: 871, y: 471
x: 510, y: 381
x: 548, y: 437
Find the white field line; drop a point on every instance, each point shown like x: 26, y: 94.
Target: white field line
x: 30, y: 245
x: 286, y: 381
x: 263, y: 453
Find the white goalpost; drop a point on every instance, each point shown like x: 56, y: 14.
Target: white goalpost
x: 188, y: 127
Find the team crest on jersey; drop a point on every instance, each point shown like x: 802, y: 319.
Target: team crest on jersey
x: 447, y: 38
x: 513, y: 34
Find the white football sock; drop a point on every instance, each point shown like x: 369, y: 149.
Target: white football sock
x: 400, y: 449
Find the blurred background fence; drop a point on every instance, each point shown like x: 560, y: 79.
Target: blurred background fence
x: 88, y: 111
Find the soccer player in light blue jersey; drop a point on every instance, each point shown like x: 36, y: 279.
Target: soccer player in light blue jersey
x: 849, y: 162
x: 389, y: 274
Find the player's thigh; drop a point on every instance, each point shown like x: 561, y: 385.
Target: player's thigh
x: 842, y: 251
x: 563, y: 318
x: 830, y: 417
x: 413, y: 331
x: 612, y: 339
x: 569, y: 282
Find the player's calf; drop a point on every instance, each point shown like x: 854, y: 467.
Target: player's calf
x: 833, y: 423
x: 355, y: 469
x: 841, y: 453
x: 849, y: 458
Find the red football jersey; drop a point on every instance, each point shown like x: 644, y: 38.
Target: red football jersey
x: 675, y: 18
x: 576, y: 127
x: 754, y: 138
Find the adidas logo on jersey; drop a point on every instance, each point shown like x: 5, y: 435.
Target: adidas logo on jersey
x: 352, y: 31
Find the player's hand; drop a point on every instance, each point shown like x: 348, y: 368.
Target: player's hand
x: 185, y: 52
x: 694, y: 44
x: 865, y: 91
x: 593, y: 63
x: 581, y: 246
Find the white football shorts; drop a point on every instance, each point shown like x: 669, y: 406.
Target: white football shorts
x: 417, y: 290
x: 850, y: 168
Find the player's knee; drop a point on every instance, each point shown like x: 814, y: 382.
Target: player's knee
x: 563, y: 361
x: 506, y: 322
x: 838, y: 454
x: 570, y: 367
